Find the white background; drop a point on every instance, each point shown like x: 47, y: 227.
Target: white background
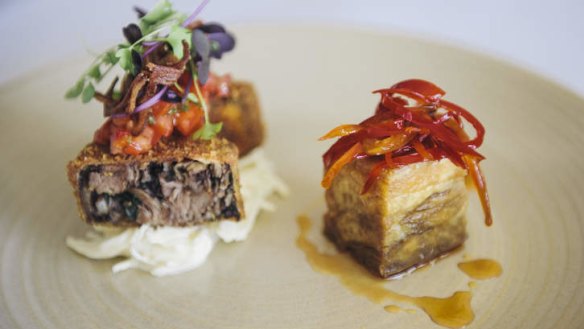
x: 544, y: 36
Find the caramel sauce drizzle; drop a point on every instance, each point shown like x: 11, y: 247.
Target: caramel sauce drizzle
x: 481, y: 269
x: 452, y: 312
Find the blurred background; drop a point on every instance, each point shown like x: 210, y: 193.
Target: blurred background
x: 543, y: 36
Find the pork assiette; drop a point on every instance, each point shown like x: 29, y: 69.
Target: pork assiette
x: 182, y: 183
x: 177, y: 164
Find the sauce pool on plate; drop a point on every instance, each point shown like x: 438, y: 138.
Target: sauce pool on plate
x: 454, y: 311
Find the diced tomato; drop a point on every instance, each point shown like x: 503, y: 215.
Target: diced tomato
x: 189, y: 121
x: 141, y: 143
x: 119, y: 139
x: 162, y: 127
x: 161, y: 108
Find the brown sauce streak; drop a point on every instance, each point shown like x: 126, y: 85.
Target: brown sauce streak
x: 397, y: 309
x: 453, y: 312
x: 481, y: 269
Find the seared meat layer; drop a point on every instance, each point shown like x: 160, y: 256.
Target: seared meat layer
x: 241, y: 116
x: 411, y: 216
x: 176, y: 185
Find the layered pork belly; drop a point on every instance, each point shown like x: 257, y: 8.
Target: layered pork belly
x: 241, y: 116
x: 410, y: 216
x: 179, y: 183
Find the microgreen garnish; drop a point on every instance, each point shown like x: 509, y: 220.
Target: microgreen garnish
x: 209, y: 129
x: 151, y: 74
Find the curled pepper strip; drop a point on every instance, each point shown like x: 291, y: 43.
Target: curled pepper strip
x: 412, y: 123
x: 341, y: 131
x: 334, y: 169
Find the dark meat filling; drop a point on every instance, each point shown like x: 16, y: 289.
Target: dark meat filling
x: 165, y: 193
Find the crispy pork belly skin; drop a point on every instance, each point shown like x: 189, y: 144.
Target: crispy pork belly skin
x: 241, y: 117
x: 179, y: 183
x: 409, y: 217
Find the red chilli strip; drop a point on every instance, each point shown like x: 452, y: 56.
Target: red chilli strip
x: 405, y: 92
x: 480, y: 184
x: 422, y: 87
x: 374, y: 175
x: 447, y: 136
x: 340, y: 147
x: 477, y: 125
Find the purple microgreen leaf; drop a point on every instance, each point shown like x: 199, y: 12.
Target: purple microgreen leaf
x: 212, y: 28
x: 171, y: 97
x: 136, y: 62
x: 193, y: 16
x: 150, y: 43
x: 203, y: 70
x: 187, y: 88
x: 149, y: 103
x: 221, y: 43
x: 140, y: 12
x: 132, y: 33
x: 151, y: 49
x: 201, y: 45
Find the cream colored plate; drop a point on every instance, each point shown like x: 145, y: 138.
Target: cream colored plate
x: 310, y: 80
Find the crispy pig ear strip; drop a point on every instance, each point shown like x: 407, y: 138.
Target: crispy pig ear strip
x: 412, y: 123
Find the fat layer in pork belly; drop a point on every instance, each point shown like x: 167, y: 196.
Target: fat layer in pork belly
x: 409, y: 217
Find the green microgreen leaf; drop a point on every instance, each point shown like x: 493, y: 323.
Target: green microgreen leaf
x: 161, y: 10
x: 88, y: 93
x: 208, y: 131
x: 125, y: 58
x: 175, y: 38
x: 110, y: 58
x: 94, y: 72
x: 191, y: 97
x: 76, y: 90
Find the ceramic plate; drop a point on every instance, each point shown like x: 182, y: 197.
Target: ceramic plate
x: 309, y: 80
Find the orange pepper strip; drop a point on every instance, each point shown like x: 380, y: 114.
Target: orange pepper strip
x: 340, y: 163
x: 480, y: 184
x: 422, y: 150
x: 341, y: 131
x: 386, y: 145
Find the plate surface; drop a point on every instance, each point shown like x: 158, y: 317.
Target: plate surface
x: 309, y: 80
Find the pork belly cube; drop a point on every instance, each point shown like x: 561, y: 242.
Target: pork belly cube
x: 410, y: 216
x: 178, y: 183
x: 241, y: 116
